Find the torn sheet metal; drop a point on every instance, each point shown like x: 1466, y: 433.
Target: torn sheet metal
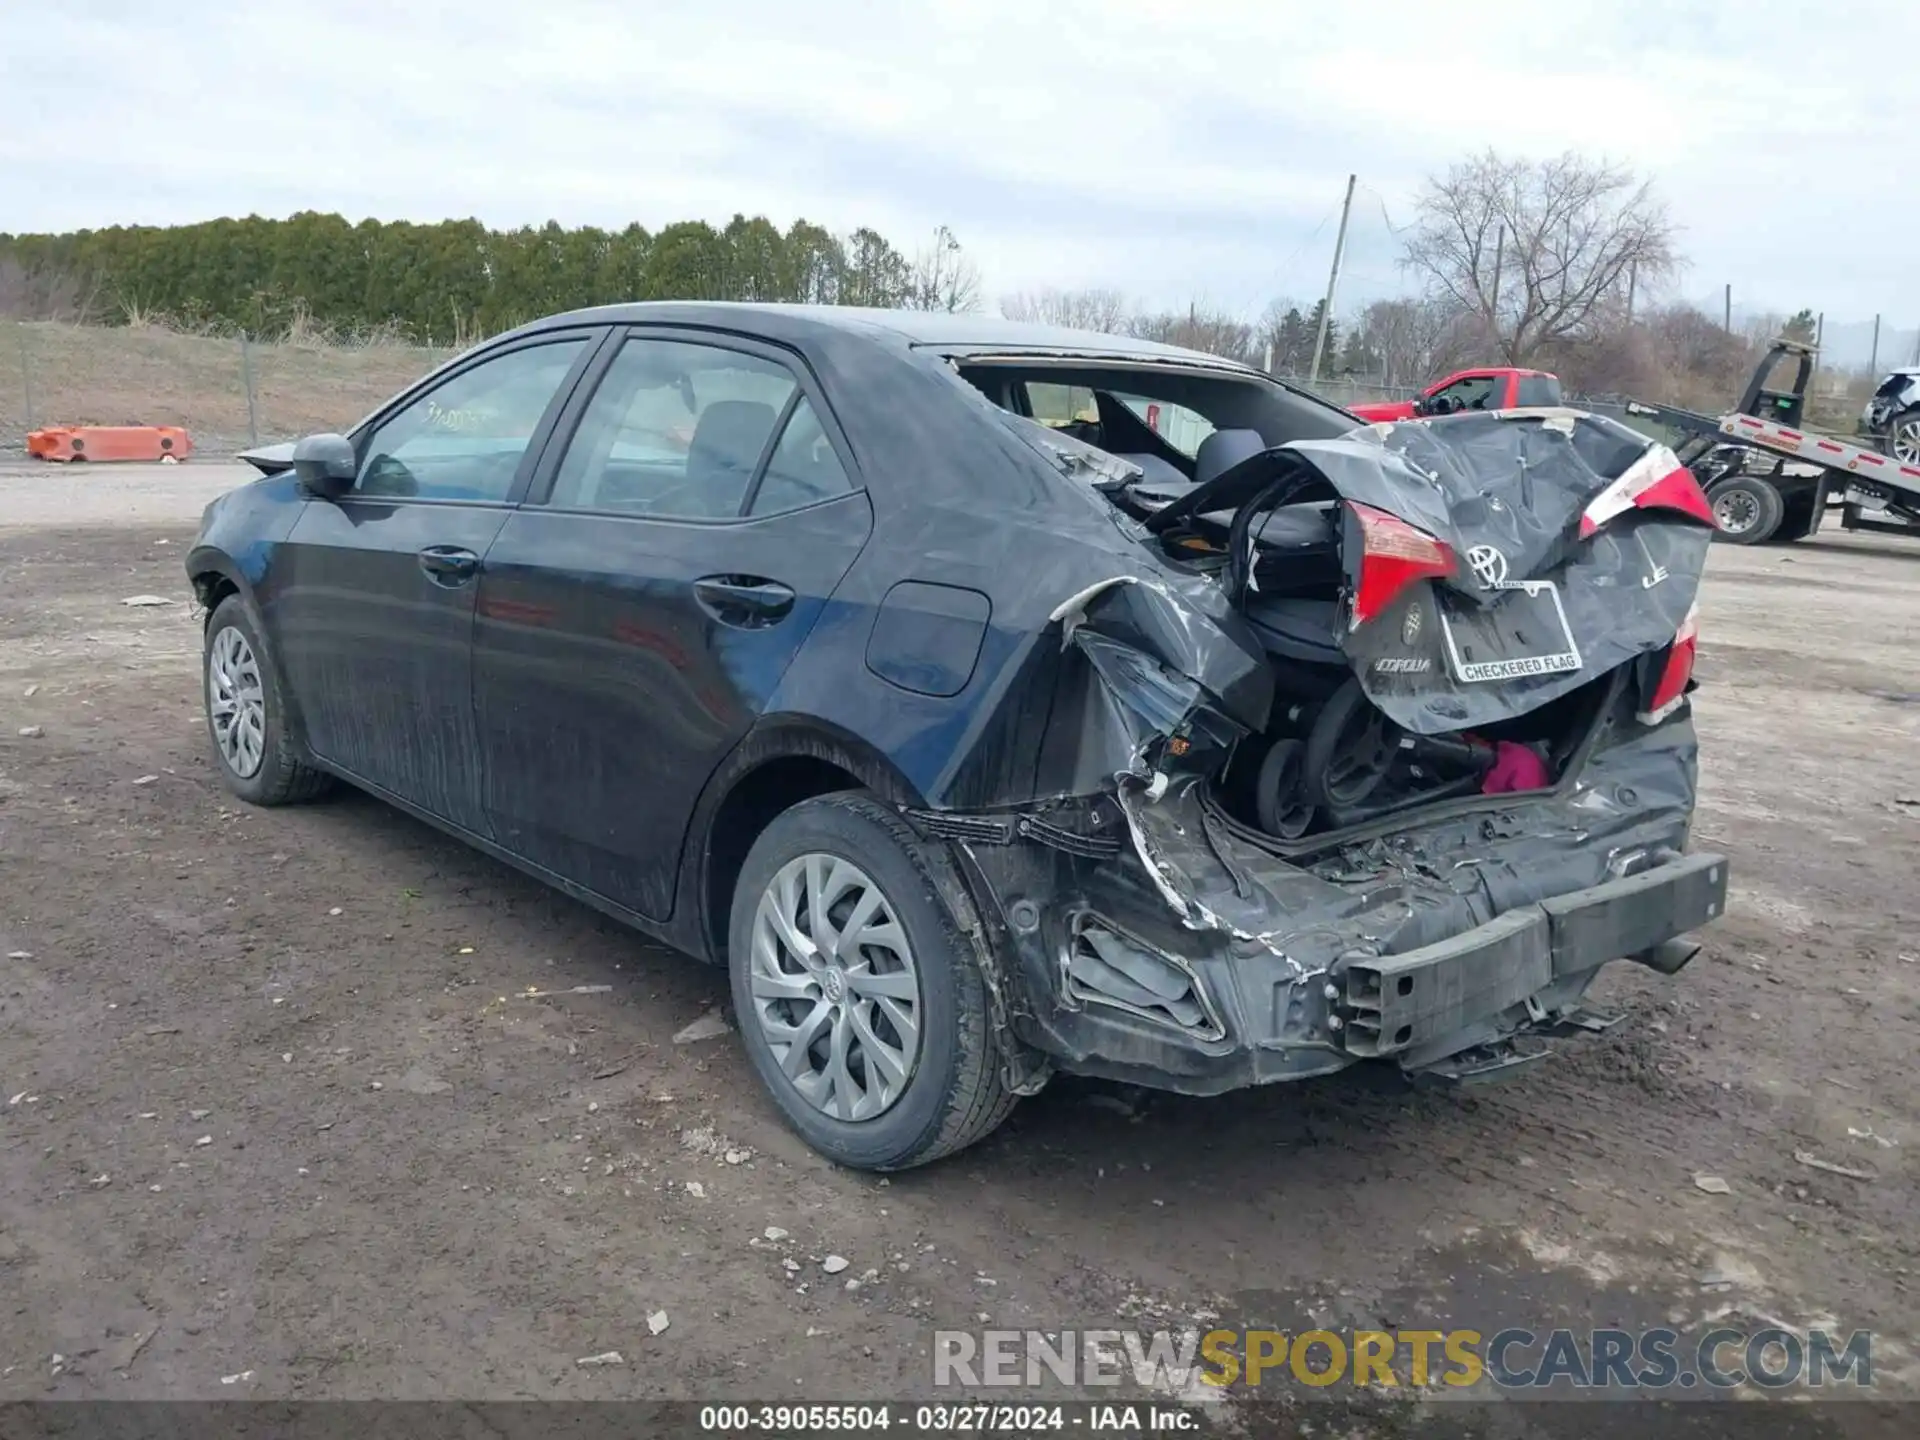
x: 1215, y: 652
x: 1534, y: 610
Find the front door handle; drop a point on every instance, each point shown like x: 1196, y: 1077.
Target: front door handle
x: 746, y: 602
x: 449, y: 565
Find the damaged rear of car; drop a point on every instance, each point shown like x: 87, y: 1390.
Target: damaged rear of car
x: 1381, y: 750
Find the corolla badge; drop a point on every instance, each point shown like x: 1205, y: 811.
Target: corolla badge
x: 1489, y: 566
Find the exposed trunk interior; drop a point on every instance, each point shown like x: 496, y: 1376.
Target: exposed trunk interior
x: 1364, y: 682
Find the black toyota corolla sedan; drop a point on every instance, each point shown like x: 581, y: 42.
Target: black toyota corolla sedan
x: 997, y: 701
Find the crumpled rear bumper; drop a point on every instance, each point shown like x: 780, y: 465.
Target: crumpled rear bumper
x: 1189, y: 959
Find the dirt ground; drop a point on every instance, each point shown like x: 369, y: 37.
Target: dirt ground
x: 317, y: 1103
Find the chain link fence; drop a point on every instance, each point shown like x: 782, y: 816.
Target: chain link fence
x: 229, y: 393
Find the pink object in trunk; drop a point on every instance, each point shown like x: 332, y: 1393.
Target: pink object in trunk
x: 1515, y: 767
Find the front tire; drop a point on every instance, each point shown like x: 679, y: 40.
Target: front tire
x: 253, y: 747
x: 1903, y: 438
x: 860, y: 1002
x: 1747, y: 509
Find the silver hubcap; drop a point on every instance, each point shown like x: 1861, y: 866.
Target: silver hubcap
x: 1906, y: 442
x: 835, y: 990
x: 237, y: 703
x: 1736, y: 512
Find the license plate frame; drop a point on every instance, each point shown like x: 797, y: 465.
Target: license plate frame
x: 1562, y: 661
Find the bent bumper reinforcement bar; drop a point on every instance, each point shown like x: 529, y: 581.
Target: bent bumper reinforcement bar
x: 1404, y: 1002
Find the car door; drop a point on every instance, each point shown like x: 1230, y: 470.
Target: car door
x: 372, y: 618
x: 688, y: 527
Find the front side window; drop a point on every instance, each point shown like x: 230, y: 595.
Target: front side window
x: 1475, y: 392
x: 464, y: 439
x: 676, y: 430
x: 1058, y: 406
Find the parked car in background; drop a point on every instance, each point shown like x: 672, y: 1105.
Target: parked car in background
x: 1892, y: 416
x: 1495, y: 387
x: 979, y: 748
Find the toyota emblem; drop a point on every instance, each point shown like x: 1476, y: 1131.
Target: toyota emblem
x: 1489, y: 566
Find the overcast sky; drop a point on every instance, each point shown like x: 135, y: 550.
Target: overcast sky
x: 1173, y: 151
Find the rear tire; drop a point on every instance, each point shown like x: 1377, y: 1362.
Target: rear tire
x: 825, y: 1018
x: 1747, y: 510
x: 241, y: 688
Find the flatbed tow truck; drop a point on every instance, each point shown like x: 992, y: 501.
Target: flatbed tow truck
x: 1769, y: 479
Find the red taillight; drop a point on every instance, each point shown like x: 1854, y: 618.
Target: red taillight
x: 1656, y: 481
x: 1672, y: 688
x: 1393, y: 554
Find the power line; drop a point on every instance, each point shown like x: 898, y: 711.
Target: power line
x: 1280, y: 270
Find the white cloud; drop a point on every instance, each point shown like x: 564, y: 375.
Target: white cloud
x: 1171, y: 150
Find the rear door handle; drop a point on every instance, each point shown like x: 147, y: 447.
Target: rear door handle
x: 746, y: 602
x: 449, y: 565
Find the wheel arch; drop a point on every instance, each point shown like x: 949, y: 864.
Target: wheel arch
x: 779, y: 763
x: 214, y: 576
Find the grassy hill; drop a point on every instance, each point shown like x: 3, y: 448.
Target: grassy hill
x: 54, y: 374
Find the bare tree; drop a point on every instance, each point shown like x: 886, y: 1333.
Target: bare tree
x: 1210, y: 330
x: 1091, y: 309
x: 1544, y: 252
x: 1415, y: 341
x: 943, y: 277
x: 45, y: 294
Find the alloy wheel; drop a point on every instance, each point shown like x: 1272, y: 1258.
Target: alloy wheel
x: 836, y: 992
x: 1906, y: 441
x: 237, y: 703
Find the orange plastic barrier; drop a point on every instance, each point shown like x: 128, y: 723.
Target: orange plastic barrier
x: 110, y: 442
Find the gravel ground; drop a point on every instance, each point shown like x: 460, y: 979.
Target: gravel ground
x: 319, y: 1099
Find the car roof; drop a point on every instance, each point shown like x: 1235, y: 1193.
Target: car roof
x: 956, y: 334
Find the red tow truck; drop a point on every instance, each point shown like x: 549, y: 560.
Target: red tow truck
x: 1495, y: 387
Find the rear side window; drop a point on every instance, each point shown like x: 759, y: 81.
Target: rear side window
x: 804, y: 469
x: 1537, y: 390
x: 675, y: 430
x: 1180, y: 427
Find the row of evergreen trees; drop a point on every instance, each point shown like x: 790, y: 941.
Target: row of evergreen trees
x: 452, y: 281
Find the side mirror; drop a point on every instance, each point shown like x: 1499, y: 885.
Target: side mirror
x: 1420, y: 405
x: 325, y: 465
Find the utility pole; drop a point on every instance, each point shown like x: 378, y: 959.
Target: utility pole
x: 1333, y: 279
x: 1633, y: 276
x: 1874, y: 363
x: 1726, y: 322
x: 1493, y: 302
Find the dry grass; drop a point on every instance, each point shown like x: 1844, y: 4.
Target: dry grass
x: 148, y: 375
